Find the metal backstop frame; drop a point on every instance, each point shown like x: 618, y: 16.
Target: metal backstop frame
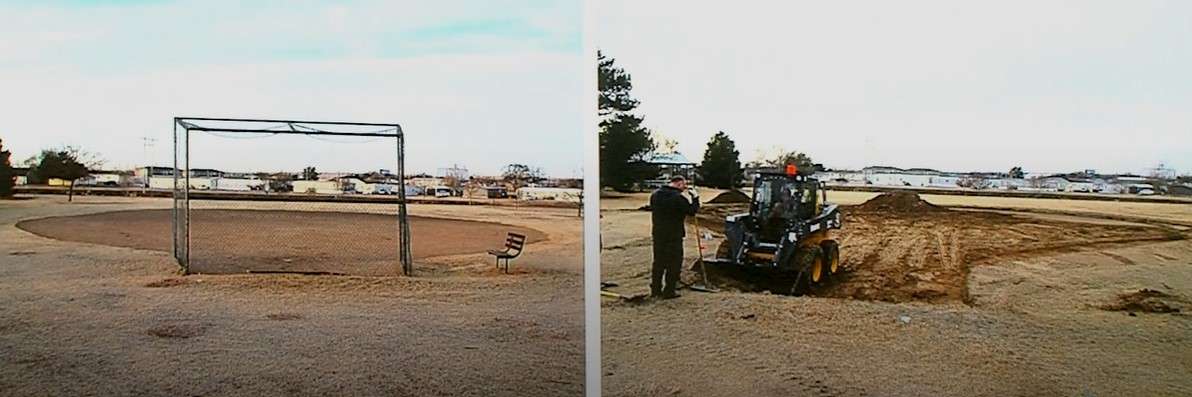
x: 183, y: 126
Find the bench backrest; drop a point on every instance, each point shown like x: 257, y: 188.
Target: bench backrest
x: 515, y: 242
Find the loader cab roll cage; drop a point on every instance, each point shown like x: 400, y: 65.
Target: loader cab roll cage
x: 780, y: 200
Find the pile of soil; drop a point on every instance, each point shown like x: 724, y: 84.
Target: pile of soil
x: 730, y: 197
x: 901, y: 202
x: 711, y: 217
x: 1147, y: 301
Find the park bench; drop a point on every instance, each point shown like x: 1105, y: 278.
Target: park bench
x: 514, y: 243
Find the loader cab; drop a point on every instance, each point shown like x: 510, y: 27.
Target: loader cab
x: 780, y: 200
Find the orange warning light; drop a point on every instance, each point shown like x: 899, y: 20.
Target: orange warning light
x: 791, y: 169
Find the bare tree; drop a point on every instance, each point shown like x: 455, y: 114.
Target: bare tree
x: 780, y: 158
x: 520, y: 175
x: 665, y: 144
x: 974, y: 182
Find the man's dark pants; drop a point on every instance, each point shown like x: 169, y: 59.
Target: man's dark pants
x: 668, y: 262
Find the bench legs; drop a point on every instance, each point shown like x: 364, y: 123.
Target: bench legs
x: 498, y: 260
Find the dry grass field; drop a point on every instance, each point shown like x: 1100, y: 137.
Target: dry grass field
x: 89, y: 314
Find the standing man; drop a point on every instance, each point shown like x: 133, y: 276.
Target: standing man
x: 669, y: 209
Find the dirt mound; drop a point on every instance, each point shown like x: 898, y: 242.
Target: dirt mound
x: 902, y: 202
x: 711, y: 217
x: 730, y: 197
x: 1147, y: 301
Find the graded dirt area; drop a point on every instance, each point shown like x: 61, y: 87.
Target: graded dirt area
x: 91, y: 319
x: 935, y: 300
x: 901, y: 248
x: 240, y: 241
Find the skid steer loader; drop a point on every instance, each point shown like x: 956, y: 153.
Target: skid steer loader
x: 786, y: 233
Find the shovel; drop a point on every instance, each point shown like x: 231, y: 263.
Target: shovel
x: 699, y: 242
x: 636, y: 298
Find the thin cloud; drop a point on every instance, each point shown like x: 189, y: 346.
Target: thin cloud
x: 488, y: 95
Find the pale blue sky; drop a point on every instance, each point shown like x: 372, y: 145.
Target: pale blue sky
x: 1052, y: 86
x: 464, y: 78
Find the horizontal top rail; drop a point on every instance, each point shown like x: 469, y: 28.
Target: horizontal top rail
x: 395, y: 125
x: 373, y: 134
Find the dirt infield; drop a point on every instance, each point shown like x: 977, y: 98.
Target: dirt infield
x: 237, y: 241
x: 898, y: 248
x: 88, y: 319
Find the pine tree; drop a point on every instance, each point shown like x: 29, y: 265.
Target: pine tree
x: 624, y: 143
x: 7, y: 178
x: 721, y: 167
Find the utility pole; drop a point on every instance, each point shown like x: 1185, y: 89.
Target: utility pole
x: 146, y: 143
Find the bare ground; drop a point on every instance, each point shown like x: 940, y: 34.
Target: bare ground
x: 240, y: 241
x: 967, y: 303
x: 89, y: 319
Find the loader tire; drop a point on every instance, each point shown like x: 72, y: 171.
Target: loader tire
x: 818, y: 271
x: 808, y: 270
x: 831, y: 251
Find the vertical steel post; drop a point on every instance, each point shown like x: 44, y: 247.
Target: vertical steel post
x: 403, y: 218
x: 174, y: 196
x: 186, y: 197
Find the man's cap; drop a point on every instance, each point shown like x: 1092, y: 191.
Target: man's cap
x: 678, y: 178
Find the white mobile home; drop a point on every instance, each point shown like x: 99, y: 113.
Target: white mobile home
x: 549, y: 193
x: 360, y: 186
x: 440, y: 191
x: 426, y: 182
x: 1008, y: 183
x: 202, y: 183
x: 319, y: 187
x: 237, y: 184
x: 104, y: 178
x: 911, y: 180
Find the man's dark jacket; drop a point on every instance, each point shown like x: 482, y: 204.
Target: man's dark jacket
x: 669, y: 209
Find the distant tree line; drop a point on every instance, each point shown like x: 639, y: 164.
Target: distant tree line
x: 626, y: 145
